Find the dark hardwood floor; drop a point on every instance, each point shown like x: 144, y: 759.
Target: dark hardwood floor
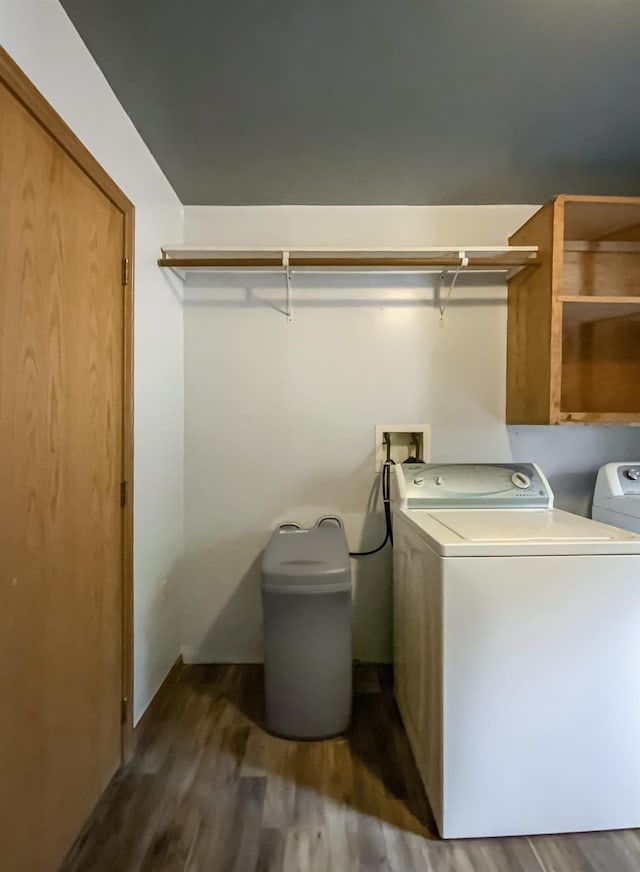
x: 210, y: 790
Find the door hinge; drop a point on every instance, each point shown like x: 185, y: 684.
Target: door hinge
x: 125, y: 270
x: 124, y: 709
x: 123, y: 494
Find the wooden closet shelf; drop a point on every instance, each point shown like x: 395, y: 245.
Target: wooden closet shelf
x: 506, y: 259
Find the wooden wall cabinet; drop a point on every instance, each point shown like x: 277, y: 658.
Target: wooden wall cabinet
x: 573, y: 334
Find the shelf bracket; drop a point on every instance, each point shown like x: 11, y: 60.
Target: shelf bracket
x: 442, y: 304
x: 287, y: 278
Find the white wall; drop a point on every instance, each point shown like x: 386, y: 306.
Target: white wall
x: 279, y: 418
x: 41, y: 39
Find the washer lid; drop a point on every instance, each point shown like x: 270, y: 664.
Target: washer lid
x: 503, y: 533
x: 525, y: 526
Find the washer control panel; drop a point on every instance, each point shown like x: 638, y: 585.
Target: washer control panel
x: 473, y: 486
x: 629, y: 478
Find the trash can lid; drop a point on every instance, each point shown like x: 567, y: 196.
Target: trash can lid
x: 307, y: 561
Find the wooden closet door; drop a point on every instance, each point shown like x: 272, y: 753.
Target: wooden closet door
x: 61, y: 457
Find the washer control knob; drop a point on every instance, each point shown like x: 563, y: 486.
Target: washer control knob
x: 633, y: 473
x: 521, y: 480
x: 418, y: 482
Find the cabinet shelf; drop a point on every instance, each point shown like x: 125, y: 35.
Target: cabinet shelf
x: 621, y: 418
x: 582, y: 309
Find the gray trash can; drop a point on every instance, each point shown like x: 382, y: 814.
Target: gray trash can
x: 306, y: 598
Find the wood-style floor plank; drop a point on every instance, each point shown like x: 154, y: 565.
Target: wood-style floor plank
x: 210, y: 791
x: 589, y: 852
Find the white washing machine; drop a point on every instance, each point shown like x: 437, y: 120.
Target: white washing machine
x: 517, y: 653
x: 616, y: 499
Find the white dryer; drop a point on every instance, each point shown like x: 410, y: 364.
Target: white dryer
x: 516, y: 652
x: 616, y: 499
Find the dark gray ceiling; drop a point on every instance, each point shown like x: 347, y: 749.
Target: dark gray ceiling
x: 377, y: 101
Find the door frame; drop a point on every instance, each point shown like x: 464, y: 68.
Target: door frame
x: 14, y: 79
